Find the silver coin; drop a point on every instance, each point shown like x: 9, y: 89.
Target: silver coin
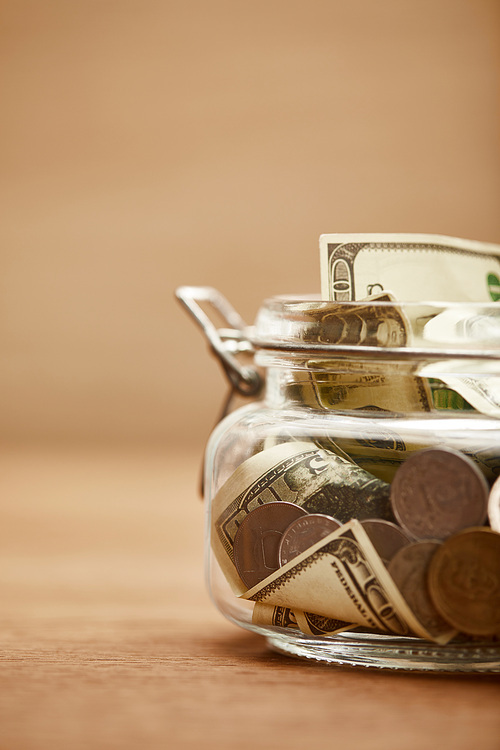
x: 437, y: 492
x: 303, y: 533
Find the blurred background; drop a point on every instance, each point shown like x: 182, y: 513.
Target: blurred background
x: 157, y: 143
x: 148, y: 144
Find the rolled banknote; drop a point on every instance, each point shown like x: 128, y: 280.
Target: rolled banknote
x: 277, y: 617
x: 307, y: 622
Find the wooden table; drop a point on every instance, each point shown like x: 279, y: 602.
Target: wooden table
x: 109, y: 639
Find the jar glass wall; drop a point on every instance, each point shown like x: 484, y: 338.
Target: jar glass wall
x: 332, y: 502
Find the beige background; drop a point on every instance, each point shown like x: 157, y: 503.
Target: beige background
x: 150, y: 144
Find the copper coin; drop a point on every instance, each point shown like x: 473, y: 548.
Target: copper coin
x: 257, y: 541
x: 438, y: 491
x: 494, y: 506
x: 409, y: 568
x: 464, y: 581
x: 386, y: 537
x: 303, y: 533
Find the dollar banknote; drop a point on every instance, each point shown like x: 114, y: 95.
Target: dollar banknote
x: 277, y: 617
x: 342, y: 578
x: 384, y: 448
x: 377, y: 321
x: 367, y: 393
x: 412, y: 267
x: 296, y: 472
x: 482, y: 393
x: 471, y: 326
x: 349, y: 385
x: 313, y: 624
x: 325, y: 442
x: 468, y: 327
x: 380, y: 452
x: 445, y: 398
x: 380, y: 447
x: 357, y: 324
x: 307, y: 622
x: 477, y: 384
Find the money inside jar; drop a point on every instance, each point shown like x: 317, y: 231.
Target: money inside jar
x: 323, y: 567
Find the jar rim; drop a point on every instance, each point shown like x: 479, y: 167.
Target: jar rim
x: 381, y: 327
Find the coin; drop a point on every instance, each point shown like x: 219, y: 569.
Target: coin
x: 408, y: 569
x: 494, y: 506
x: 438, y: 491
x: 464, y: 581
x: 256, y: 544
x: 386, y: 537
x: 303, y: 533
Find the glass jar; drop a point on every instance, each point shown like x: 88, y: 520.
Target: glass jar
x: 373, y: 428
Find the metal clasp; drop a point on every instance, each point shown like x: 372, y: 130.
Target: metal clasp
x: 225, y: 343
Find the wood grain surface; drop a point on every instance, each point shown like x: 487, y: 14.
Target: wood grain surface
x: 109, y: 639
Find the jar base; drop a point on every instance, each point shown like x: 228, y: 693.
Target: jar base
x: 387, y: 652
